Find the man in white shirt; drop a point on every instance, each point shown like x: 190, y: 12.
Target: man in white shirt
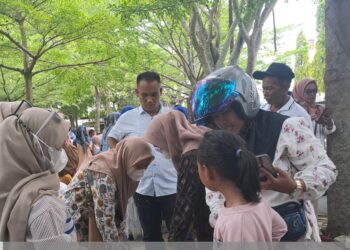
x: 156, y: 194
x: 275, y: 83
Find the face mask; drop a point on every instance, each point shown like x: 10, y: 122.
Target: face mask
x: 58, y: 158
x: 135, y: 174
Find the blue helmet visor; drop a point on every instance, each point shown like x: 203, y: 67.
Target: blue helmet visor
x: 211, y: 96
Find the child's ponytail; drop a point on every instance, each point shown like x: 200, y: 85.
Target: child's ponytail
x: 248, y: 180
x: 226, y: 153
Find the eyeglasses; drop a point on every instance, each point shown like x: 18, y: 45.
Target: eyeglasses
x: 20, y: 105
x: 310, y: 91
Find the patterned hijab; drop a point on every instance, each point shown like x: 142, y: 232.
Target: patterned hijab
x: 25, y: 175
x: 173, y: 133
x: 128, y: 153
x: 313, y: 109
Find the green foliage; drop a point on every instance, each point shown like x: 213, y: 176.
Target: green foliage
x: 267, y: 53
x: 301, y: 68
x: 144, y: 9
x: 62, y: 36
x: 316, y: 68
x: 319, y: 61
x: 122, y: 38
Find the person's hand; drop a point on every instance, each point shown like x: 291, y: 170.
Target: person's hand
x: 283, y: 183
x: 326, y: 120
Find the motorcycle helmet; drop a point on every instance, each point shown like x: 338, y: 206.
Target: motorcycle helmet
x: 222, y: 88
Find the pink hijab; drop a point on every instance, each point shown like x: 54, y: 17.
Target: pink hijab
x: 173, y: 133
x: 314, y: 110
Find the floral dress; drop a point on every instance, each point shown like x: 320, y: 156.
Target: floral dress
x: 300, y: 154
x: 97, y: 192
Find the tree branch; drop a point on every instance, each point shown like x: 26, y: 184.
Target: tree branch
x: 237, y: 49
x: 176, y: 90
x: 36, y: 4
x: 178, y: 51
x: 16, y: 88
x: 46, y: 82
x: 155, y: 41
x: 241, y: 25
x: 4, y: 84
x: 226, y: 47
x: 261, y: 18
x: 16, y: 43
x: 205, y: 41
x: 72, y: 65
x: 12, y: 68
x: 176, y: 81
x: 42, y: 51
x: 199, y: 49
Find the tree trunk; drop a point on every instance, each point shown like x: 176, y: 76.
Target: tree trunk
x: 337, y: 79
x: 98, y: 109
x: 230, y: 21
x: 253, y: 49
x: 28, y: 76
x: 29, y: 86
x: 237, y: 50
x: 108, y: 101
x: 252, y: 54
x: 71, y: 120
x: 76, y: 122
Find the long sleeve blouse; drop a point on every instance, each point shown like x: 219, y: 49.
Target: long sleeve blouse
x: 302, y: 155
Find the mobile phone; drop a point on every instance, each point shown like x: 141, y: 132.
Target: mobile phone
x: 265, y: 162
x: 326, y: 111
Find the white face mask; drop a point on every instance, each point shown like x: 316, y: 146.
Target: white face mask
x: 135, y: 174
x: 58, y: 158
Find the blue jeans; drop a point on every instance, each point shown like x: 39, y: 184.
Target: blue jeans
x: 152, y: 210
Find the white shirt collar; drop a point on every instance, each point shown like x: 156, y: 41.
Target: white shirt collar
x: 142, y: 111
x: 287, y: 106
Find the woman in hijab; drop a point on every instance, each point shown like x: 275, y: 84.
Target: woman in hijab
x: 83, y: 145
x: 10, y: 108
x: 98, y: 195
x: 31, y: 155
x: 177, y: 138
x: 110, y: 121
x: 70, y: 169
x: 304, y: 93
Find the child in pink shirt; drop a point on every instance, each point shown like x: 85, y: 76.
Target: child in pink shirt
x: 225, y: 165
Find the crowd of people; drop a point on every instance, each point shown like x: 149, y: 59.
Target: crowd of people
x: 230, y: 170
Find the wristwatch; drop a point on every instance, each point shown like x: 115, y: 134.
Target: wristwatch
x: 299, y: 189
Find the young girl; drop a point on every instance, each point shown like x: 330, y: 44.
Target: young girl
x: 225, y: 165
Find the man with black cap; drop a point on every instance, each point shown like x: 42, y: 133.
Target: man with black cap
x: 276, y: 82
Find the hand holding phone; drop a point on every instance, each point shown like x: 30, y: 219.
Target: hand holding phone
x: 325, y: 117
x: 265, y: 162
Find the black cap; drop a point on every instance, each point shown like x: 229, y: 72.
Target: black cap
x: 276, y: 69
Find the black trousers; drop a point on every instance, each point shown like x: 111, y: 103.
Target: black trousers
x: 152, y: 210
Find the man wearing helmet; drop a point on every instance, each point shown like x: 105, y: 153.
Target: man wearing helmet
x: 227, y: 99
